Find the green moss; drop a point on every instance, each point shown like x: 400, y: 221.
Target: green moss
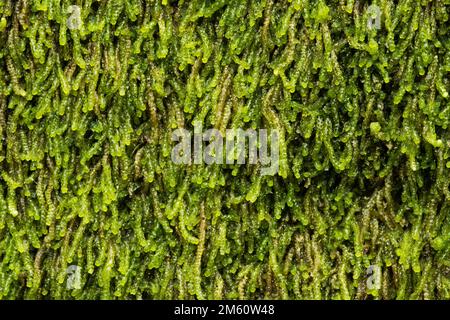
x: 86, y: 179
